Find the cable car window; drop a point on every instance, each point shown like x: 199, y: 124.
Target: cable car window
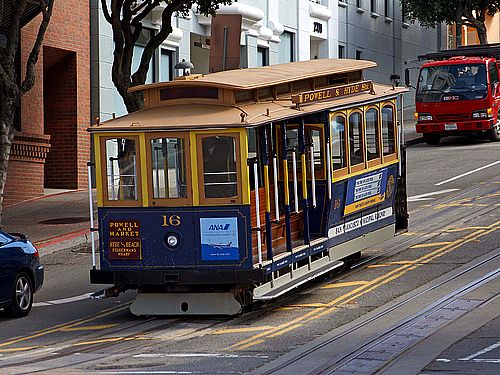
x: 168, y: 167
x: 121, y: 169
x: 372, y: 134
x: 339, y: 152
x: 292, y: 144
x: 315, y: 138
x: 388, y: 135
x: 220, y: 173
x: 355, y: 138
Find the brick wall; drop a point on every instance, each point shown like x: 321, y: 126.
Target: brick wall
x: 69, y: 32
x: 60, y: 114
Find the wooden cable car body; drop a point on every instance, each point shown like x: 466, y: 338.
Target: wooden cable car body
x: 242, y: 185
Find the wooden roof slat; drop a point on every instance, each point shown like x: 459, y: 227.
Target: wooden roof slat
x: 252, y: 78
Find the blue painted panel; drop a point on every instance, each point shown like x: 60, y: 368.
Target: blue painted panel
x: 154, y: 225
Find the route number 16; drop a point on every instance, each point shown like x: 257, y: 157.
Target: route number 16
x: 171, y: 221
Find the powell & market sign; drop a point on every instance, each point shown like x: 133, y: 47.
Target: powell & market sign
x: 332, y: 92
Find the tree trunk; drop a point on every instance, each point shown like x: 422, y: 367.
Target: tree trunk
x: 6, y: 138
x: 481, y: 32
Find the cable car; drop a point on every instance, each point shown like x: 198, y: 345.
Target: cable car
x: 241, y: 185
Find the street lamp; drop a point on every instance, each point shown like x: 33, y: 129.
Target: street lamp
x: 184, y: 65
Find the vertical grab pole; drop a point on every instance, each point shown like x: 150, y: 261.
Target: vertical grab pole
x: 275, y: 179
x: 269, y: 235
x: 295, y: 188
x: 329, y: 168
x: 91, y: 208
x: 257, y: 209
x: 286, y: 188
x: 313, y: 177
x: 305, y: 205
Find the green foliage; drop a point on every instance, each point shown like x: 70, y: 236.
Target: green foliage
x: 471, y: 13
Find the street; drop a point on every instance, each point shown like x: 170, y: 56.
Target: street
x: 453, y: 191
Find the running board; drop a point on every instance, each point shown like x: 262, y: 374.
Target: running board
x: 185, y: 304
x: 287, y: 282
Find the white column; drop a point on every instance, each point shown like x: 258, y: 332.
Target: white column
x: 303, y: 34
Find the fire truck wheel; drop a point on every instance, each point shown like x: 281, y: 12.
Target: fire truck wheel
x: 432, y: 139
x: 494, y: 134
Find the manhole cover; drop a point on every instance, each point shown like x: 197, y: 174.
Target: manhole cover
x: 64, y: 220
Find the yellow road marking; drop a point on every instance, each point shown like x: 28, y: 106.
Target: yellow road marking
x: 251, y: 344
x: 279, y: 333
x: 344, y: 284
x: 238, y: 330
x: 10, y: 350
x: 307, y: 305
x: 360, y: 291
x: 410, y: 234
x: 70, y: 324
x: 379, y: 265
x: 424, y: 245
x: 88, y: 328
x: 111, y: 339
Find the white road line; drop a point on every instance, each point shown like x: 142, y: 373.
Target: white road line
x: 467, y: 173
x: 428, y: 196
x: 482, y: 351
x: 203, y: 355
x: 148, y: 372
x: 62, y: 301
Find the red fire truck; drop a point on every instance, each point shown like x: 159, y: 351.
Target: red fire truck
x: 458, y: 92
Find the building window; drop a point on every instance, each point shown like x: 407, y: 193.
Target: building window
x: 373, y: 6
x: 144, y: 37
x: 359, y: 3
x: 387, y: 8
x: 359, y: 55
x: 262, y: 56
x: 341, y: 52
x: 166, y: 73
x: 286, y: 47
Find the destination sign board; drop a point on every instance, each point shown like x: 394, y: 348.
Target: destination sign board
x: 330, y: 93
x: 124, y: 240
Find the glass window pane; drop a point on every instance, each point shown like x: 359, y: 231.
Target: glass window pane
x: 286, y: 47
x: 355, y: 138
x: 314, y: 139
x: 166, y: 66
x: 292, y: 143
x: 372, y: 134
x: 220, y: 167
x: 168, y: 162
x: 121, y: 171
x: 388, y: 136
x: 339, y: 154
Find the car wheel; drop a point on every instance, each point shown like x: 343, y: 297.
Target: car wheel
x: 494, y: 134
x: 22, y: 296
x: 431, y: 139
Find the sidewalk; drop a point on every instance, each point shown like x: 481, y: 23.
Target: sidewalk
x: 52, y: 222
x: 60, y: 221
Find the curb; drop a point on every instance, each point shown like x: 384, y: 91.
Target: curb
x: 63, y: 242
x: 414, y: 141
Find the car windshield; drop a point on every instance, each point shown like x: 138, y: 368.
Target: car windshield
x: 452, y: 83
x: 4, y: 238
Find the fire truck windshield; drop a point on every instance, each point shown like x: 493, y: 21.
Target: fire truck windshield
x: 452, y: 82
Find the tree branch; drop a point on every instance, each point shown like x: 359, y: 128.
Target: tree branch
x: 14, y: 30
x: 139, y: 76
x: 29, y: 79
x: 105, y: 10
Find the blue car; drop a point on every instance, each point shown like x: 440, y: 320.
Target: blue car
x: 21, y: 274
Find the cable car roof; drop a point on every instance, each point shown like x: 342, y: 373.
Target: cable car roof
x: 251, y: 78
x: 202, y: 116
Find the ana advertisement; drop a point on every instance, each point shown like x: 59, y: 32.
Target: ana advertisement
x: 219, y: 238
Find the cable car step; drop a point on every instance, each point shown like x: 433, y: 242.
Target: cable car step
x: 185, y: 304
x: 300, y: 276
